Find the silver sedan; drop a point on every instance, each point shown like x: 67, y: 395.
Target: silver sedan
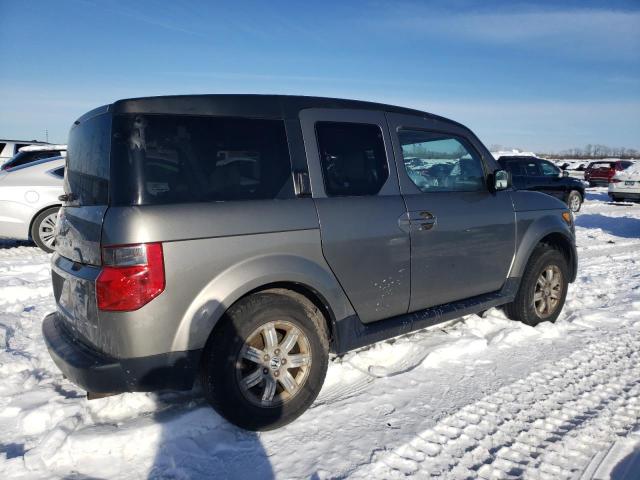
x: 29, y: 201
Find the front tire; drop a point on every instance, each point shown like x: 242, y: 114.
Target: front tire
x: 43, y: 229
x: 574, y: 201
x: 266, y: 363
x: 543, y: 288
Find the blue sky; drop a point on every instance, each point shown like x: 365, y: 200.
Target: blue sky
x: 541, y: 76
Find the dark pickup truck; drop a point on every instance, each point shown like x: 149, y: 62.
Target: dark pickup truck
x: 532, y: 173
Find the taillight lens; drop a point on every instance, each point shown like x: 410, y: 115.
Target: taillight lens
x: 131, y: 276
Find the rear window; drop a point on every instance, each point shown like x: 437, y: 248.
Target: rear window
x: 23, y: 158
x: 353, y: 158
x: 159, y: 159
x: 624, y: 165
x: 87, y: 176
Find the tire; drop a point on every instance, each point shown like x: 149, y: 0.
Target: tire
x: 42, y: 229
x: 543, y: 258
x: 574, y: 201
x: 225, y: 368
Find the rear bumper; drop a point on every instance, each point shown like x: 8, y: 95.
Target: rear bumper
x: 598, y: 180
x: 98, y: 373
x: 624, y: 194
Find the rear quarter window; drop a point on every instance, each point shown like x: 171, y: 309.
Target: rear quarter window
x: 161, y: 159
x: 87, y: 170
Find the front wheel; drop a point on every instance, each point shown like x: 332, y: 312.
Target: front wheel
x: 265, y: 364
x: 574, y: 201
x: 43, y: 229
x: 543, y: 288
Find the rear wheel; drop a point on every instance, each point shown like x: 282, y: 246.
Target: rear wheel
x: 43, y: 229
x: 574, y: 201
x: 543, y: 288
x: 265, y: 364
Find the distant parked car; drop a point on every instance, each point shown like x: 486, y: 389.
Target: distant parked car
x: 8, y: 148
x: 29, y: 201
x: 32, y: 153
x: 532, y: 173
x: 581, y: 166
x: 625, y: 184
x: 601, y: 172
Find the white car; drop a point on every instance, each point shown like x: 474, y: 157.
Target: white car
x: 9, y: 148
x: 625, y: 184
x: 29, y: 201
x: 31, y: 153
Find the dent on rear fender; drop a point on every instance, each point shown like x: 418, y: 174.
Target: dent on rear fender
x: 232, y: 284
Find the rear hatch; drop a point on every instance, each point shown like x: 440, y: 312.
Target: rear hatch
x: 628, y: 178
x: 76, y: 263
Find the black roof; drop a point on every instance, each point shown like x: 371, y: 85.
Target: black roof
x: 251, y: 105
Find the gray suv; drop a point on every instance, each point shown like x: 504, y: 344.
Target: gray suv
x: 241, y: 239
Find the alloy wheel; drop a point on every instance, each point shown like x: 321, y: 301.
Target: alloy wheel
x: 273, y: 364
x: 46, y: 230
x: 548, y: 291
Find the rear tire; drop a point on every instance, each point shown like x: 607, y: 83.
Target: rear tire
x: 43, y: 229
x: 544, y: 284
x: 574, y: 201
x: 252, y: 374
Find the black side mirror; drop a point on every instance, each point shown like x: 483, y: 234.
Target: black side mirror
x: 501, y: 180
x: 565, y: 173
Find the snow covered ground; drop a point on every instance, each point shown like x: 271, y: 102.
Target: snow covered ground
x: 478, y: 397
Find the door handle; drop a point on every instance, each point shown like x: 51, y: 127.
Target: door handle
x: 425, y: 221
x: 419, y: 221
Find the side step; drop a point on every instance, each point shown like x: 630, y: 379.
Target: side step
x: 351, y: 333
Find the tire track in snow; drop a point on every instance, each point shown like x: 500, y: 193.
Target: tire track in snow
x: 547, y: 425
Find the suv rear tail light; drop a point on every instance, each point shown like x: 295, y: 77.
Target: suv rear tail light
x: 131, y: 276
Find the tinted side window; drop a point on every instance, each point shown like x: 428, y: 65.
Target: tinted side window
x: 532, y: 168
x: 159, y: 159
x: 18, y: 146
x: 88, y: 161
x: 58, y: 172
x: 352, y: 157
x: 513, y: 167
x: 2, y: 145
x: 549, y: 170
x: 439, y: 162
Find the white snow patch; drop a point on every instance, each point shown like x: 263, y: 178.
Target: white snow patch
x: 482, y: 397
